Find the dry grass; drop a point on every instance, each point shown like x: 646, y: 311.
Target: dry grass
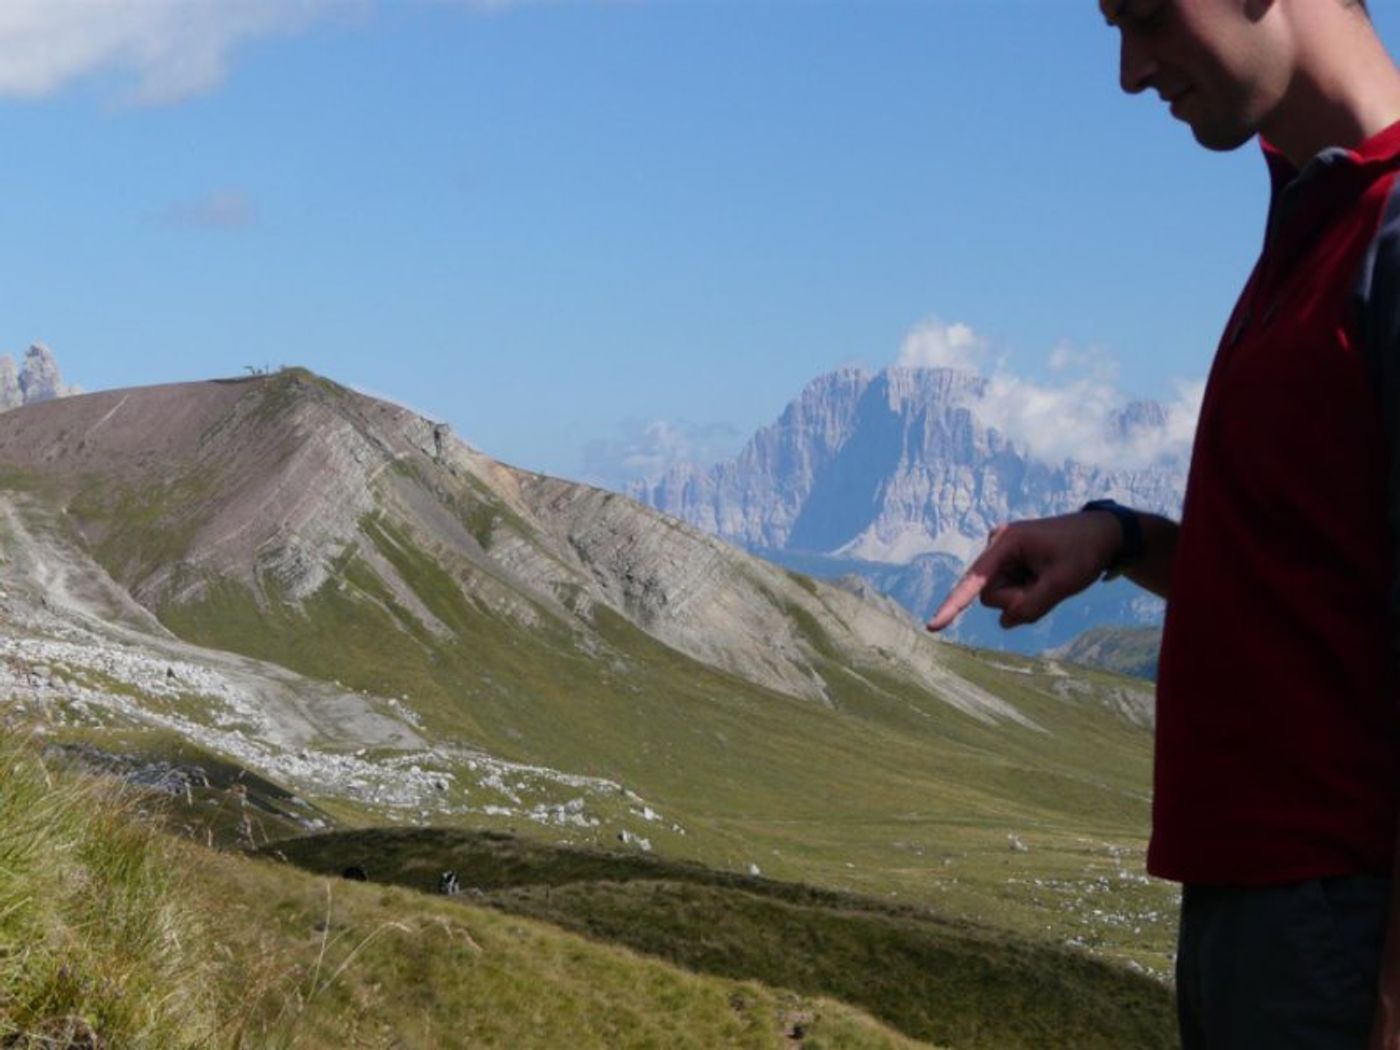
x: 100, y: 940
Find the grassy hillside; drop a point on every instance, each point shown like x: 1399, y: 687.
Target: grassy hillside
x: 122, y: 937
x: 946, y: 981
x: 887, y: 791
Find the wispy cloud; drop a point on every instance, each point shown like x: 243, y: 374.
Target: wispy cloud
x: 221, y: 210
x: 646, y: 449
x: 1080, y: 414
x: 161, y: 50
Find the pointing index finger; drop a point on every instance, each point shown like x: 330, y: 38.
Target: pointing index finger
x: 959, y: 598
x: 971, y: 584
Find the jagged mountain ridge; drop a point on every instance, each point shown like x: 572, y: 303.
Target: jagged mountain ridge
x: 889, y: 465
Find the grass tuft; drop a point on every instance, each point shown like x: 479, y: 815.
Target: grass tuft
x: 99, y: 941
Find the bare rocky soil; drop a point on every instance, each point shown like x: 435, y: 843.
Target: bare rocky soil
x: 77, y: 652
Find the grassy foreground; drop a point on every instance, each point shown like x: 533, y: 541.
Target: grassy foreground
x: 114, y: 935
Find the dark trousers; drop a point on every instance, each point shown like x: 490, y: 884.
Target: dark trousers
x: 1281, y: 967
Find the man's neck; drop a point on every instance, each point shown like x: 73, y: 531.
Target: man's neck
x: 1346, y: 90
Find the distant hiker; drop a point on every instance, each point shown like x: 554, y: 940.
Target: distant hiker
x: 448, y: 884
x: 355, y: 873
x: 1277, y: 784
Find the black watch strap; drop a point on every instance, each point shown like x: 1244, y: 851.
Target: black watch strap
x: 1131, y: 550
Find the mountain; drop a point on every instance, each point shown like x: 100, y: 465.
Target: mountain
x: 1123, y: 650
x: 240, y: 502
x: 38, y: 379
x: 898, y: 477
x: 329, y: 613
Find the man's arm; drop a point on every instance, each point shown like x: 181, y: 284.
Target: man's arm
x: 1029, y: 567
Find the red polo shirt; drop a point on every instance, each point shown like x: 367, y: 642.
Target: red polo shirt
x: 1278, y: 743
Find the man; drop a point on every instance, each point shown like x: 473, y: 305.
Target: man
x: 1277, y: 781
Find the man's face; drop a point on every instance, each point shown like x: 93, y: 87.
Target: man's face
x: 1219, y: 63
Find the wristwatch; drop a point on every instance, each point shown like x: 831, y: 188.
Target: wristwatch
x: 1131, y: 550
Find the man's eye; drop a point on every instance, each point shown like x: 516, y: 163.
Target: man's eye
x: 1137, y: 15
x: 1151, y: 14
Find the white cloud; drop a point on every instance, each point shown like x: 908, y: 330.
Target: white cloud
x: 1089, y: 421
x: 933, y: 344
x: 163, y: 50
x: 160, y: 51
x: 1080, y: 414
x: 646, y: 449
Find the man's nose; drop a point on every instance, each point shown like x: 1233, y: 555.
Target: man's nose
x: 1136, y: 66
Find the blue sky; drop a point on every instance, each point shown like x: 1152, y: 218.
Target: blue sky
x: 593, y: 236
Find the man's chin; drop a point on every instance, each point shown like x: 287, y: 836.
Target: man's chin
x: 1221, y: 140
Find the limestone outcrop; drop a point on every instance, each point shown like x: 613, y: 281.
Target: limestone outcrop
x: 36, y: 379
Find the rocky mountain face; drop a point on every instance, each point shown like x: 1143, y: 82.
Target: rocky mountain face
x: 896, y: 476
x: 36, y: 379
x: 263, y: 489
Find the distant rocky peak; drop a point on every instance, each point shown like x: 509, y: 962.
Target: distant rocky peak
x: 37, y: 379
x: 891, y: 465
x: 923, y: 388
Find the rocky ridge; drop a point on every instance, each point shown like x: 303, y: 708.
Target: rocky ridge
x: 541, y: 549
x: 37, y: 379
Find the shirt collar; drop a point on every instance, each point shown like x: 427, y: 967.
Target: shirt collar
x: 1381, y: 148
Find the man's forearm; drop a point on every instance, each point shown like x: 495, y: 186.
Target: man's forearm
x: 1153, y: 570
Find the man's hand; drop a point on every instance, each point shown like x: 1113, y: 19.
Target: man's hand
x: 1029, y: 567
x: 1385, y: 1032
